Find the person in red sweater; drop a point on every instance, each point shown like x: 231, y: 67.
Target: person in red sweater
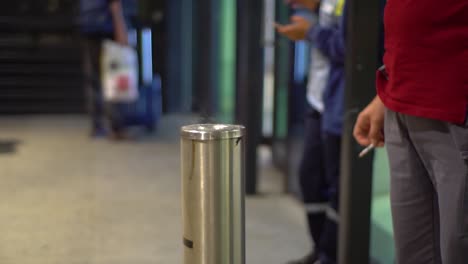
x: 420, y: 115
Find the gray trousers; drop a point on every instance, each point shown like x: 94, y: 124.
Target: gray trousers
x: 429, y: 189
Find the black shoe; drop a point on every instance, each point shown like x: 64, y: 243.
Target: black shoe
x: 98, y: 132
x: 310, y: 258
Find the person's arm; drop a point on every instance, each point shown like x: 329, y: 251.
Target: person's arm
x: 120, y: 28
x: 331, y: 41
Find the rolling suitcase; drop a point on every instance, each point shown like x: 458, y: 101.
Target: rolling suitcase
x: 146, y: 110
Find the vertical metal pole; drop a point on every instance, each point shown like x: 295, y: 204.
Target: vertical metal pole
x: 250, y: 81
x: 203, y: 58
x: 213, y: 194
x: 283, y: 71
x: 173, y: 81
x: 186, y: 65
x: 356, y: 174
x: 179, y: 63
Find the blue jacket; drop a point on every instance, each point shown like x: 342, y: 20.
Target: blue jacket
x: 331, y: 41
x: 95, y: 17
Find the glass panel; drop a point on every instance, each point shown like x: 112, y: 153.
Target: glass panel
x: 269, y: 65
x: 301, y: 61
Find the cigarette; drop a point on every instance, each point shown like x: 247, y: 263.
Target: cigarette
x: 366, y: 150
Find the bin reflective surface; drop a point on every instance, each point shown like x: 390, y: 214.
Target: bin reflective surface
x: 213, y: 194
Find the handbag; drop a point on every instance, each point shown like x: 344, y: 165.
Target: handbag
x: 119, y: 73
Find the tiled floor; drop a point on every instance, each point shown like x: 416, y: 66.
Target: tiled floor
x: 67, y: 199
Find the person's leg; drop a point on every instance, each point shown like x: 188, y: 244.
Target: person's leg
x: 443, y: 149
x: 115, y: 113
x: 328, y: 242
x: 313, y: 182
x: 91, y: 54
x: 413, y: 199
x: 312, y: 175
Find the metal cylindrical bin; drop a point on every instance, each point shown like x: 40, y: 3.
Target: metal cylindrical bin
x: 213, y: 194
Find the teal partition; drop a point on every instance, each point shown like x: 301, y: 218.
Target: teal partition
x: 227, y: 61
x: 282, y: 71
x: 382, y: 248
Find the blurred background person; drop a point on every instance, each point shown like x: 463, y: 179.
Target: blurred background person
x: 312, y: 175
x: 100, y: 20
x: 329, y: 39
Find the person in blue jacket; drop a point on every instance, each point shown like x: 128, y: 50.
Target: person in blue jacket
x: 100, y: 20
x: 331, y: 41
